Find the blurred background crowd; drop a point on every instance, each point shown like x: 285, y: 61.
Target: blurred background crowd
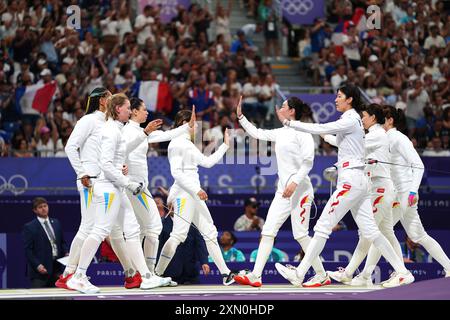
x: 404, y: 63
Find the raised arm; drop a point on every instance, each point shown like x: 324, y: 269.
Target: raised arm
x: 331, y: 139
x: 134, y: 141
x: 268, y: 135
x: 261, y: 134
x: 161, y: 136
x: 211, y: 160
x: 341, y: 125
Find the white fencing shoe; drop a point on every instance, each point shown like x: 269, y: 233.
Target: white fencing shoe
x: 154, y: 281
x: 289, y: 273
x: 249, y: 279
x: 317, y: 281
x: 399, y: 279
x: 340, y: 276
x: 80, y: 282
x: 361, y: 281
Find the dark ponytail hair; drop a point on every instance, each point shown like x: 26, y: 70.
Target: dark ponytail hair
x: 398, y: 115
x: 182, y: 116
x: 374, y: 109
x: 135, y: 103
x: 93, y: 103
x: 300, y: 107
x: 352, y: 91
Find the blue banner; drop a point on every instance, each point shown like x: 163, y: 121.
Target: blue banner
x: 303, y: 11
x: 322, y: 106
x: 55, y: 176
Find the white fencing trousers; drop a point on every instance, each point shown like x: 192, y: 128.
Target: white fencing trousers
x: 352, y: 193
x: 191, y: 211
x: 408, y: 217
x: 87, y: 209
x: 148, y: 217
x: 113, y: 207
x: 298, y: 206
x: 187, y: 210
x: 382, y: 194
x: 147, y: 213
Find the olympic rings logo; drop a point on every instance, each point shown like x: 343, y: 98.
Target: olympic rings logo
x: 16, y: 184
x: 301, y: 7
x: 323, y: 111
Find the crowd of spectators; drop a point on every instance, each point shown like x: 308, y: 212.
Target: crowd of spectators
x: 117, y: 47
x: 403, y: 63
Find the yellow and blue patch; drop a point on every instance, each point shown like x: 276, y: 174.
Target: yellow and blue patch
x: 109, y: 198
x: 181, y: 203
x: 87, y: 197
x: 143, y: 199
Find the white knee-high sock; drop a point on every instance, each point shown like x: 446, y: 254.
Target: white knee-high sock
x: 150, y: 251
x: 315, y: 247
x: 358, y: 256
x: 264, y: 250
x: 395, y: 244
x: 120, y: 249
x: 373, y: 257
x: 316, y: 263
x: 87, y: 253
x: 134, y: 251
x: 436, y: 251
x: 388, y: 252
x: 74, y: 255
x: 216, y: 254
x: 166, y: 255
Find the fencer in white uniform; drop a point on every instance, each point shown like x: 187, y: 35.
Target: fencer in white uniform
x: 352, y: 192
x: 382, y: 193
x: 143, y: 204
x: 83, y: 149
x: 188, y: 198
x: 112, y: 204
x: 294, y: 152
x: 406, y: 172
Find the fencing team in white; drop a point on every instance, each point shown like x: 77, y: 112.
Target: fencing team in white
x: 120, y: 206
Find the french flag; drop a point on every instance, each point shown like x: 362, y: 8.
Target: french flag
x: 36, y: 98
x: 155, y: 94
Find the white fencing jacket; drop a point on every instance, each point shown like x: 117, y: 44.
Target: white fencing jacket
x: 377, y: 147
x: 403, y: 152
x: 137, y: 158
x: 184, y: 159
x: 114, y: 149
x: 349, y: 137
x: 294, y: 152
x: 83, y: 146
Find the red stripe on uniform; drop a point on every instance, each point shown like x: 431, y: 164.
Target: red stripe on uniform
x: 302, y: 202
x: 340, y: 194
x: 377, y: 201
